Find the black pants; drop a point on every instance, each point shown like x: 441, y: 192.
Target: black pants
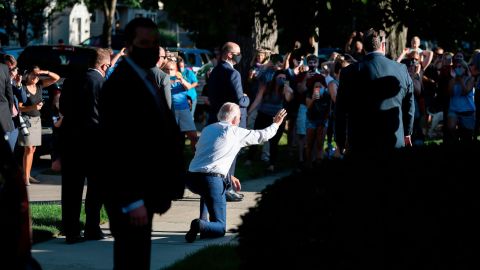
x: 132, y: 246
x: 74, y: 174
x: 72, y: 191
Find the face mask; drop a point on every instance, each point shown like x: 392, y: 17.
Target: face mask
x: 280, y: 82
x: 182, y: 69
x: 312, y: 68
x: 237, y: 58
x: 144, y: 57
x: 459, y: 71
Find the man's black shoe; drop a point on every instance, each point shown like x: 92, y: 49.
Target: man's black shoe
x: 233, y: 196
x: 191, y: 235
x: 74, y: 239
x: 99, y: 235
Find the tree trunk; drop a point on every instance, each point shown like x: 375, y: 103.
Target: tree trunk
x: 265, y: 33
x: 109, y: 7
x: 396, y: 39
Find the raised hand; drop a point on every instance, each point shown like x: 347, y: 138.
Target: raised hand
x: 278, y: 119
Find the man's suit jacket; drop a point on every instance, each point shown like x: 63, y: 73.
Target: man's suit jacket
x: 225, y: 85
x: 6, y: 99
x: 79, y: 101
x: 375, y: 105
x: 137, y: 129
x: 79, y: 107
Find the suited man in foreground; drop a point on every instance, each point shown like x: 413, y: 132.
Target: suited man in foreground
x: 79, y: 149
x: 137, y: 184
x: 375, y: 106
x: 225, y: 85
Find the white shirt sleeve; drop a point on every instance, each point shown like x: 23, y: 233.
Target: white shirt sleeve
x: 250, y: 137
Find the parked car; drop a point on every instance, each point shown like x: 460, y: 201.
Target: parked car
x: 194, y: 58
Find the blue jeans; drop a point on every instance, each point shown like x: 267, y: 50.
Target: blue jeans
x: 213, y: 204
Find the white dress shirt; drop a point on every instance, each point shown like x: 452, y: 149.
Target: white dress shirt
x: 220, y: 143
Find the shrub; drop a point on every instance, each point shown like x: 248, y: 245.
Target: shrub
x: 416, y: 208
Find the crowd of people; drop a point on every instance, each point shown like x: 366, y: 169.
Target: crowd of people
x: 356, y: 103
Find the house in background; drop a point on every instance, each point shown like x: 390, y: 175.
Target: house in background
x: 76, y: 24
x: 72, y: 25
x: 124, y: 14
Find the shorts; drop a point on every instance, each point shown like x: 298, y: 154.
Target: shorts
x: 185, y: 120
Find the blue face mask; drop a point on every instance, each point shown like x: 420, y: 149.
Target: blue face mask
x: 182, y: 69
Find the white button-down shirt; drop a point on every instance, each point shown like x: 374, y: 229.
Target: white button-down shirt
x: 220, y: 143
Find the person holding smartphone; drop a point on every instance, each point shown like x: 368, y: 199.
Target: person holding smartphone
x: 270, y: 100
x: 31, y: 110
x: 183, y: 116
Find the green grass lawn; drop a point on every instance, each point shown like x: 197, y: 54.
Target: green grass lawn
x: 210, y: 258
x: 47, y: 220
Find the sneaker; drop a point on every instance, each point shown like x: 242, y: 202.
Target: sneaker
x: 33, y: 180
x: 232, y: 196
x: 191, y: 235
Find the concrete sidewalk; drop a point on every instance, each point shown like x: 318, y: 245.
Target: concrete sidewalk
x: 168, y: 243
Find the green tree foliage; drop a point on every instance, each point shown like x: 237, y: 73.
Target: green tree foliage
x: 27, y: 12
x: 446, y: 22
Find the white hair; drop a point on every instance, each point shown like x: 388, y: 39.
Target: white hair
x: 228, y: 112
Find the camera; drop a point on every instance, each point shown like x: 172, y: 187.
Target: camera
x: 23, y: 126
